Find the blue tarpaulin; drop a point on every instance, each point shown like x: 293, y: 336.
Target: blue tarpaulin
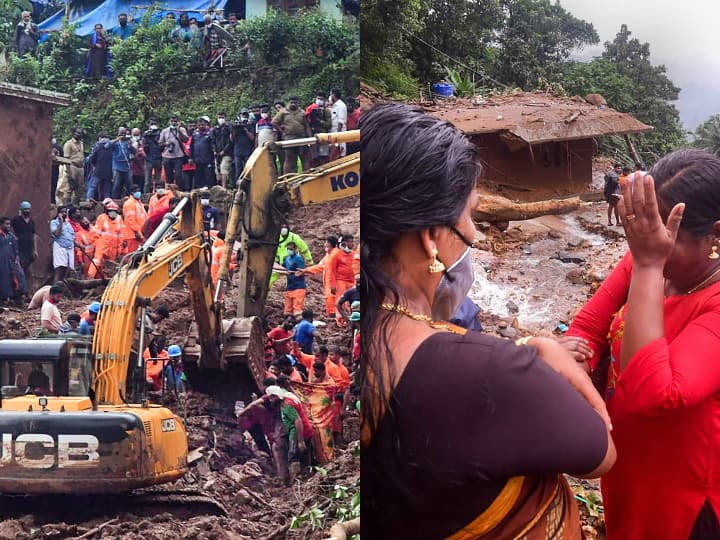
x: 87, y: 13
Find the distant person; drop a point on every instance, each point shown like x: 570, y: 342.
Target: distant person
x: 171, y: 142
x: 293, y: 124
x: 24, y: 227
x: 211, y: 215
x: 306, y: 332
x: 98, y: 56
x: 71, y: 325
x: 50, y: 318
x: 12, y: 278
x: 74, y: 150
x: 63, y: 245
x: 339, y: 123
x: 88, y: 319
x: 175, y: 378
x: 638, y: 173
x: 38, y: 381
x: 124, y: 29
x: 611, y: 192
x: 27, y: 35
x: 296, y: 287
x: 57, y: 151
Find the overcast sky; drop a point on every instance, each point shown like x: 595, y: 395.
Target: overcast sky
x: 683, y: 35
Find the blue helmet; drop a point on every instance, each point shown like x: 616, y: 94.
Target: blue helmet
x: 25, y: 205
x: 94, y: 307
x: 174, y: 350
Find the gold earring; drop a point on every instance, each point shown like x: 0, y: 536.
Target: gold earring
x: 714, y: 253
x: 436, y: 265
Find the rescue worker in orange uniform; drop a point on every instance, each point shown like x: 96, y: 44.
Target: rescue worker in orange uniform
x: 85, y: 238
x: 330, y: 248
x: 134, y: 216
x: 160, y: 198
x: 217, y: 251
x: 340, y: 271
x: 110, y: 244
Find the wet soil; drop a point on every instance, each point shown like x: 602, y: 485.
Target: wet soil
x: 251, y: 504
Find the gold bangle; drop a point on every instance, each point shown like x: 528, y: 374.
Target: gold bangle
x: 523, y: 341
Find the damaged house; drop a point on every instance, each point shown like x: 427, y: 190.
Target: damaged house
x: 538, y: 141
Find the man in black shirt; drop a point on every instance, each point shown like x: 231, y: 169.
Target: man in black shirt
x: 243, y: 140
x: 24, y: 228
x: 202, y: 155
x: 221, y: 136
x: 348, y: 297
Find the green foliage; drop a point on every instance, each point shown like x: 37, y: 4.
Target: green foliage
x: 274, y: 57
x: 535, y: 38
x: 707, y: 135
x: 386, y: 26
x: 10, y: 15
x: 651, y: 91
x: 600, y: 76
x: 342, y: 504
x: 463, y: 83
x: 461, y: 29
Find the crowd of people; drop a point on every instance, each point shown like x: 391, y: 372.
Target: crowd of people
x: 196, y: 153
x: 207, y: 37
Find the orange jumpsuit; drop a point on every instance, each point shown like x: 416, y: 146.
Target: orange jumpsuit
x: 135, y: 216
x: 87, y: 239
x: 154, y: 369
x: 109, y: 244
x: 330, y: 298
x: 340, y: 275
x: 156, y: 201
x: 217, y: 251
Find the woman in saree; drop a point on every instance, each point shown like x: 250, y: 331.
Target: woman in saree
x: 463, y: 435
x: 654, y: 328
x: 97, y: 64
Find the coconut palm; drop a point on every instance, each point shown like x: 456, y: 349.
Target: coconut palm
x: 707, y: 135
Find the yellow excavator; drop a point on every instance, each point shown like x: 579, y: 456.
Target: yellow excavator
x: 74, y: 413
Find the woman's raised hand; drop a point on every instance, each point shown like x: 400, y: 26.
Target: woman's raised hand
x: 651, y: 241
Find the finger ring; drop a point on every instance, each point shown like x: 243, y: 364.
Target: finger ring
x: 630, y: 217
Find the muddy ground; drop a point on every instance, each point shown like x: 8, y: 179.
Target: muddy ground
x: 530, y: 278
x: 231, y: 491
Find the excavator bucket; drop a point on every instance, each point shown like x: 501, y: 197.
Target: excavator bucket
x: 243, y: 343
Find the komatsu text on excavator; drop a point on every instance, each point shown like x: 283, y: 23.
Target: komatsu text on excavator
x: 74, y: 413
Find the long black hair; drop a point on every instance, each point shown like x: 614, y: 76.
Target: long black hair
x: 693, y: 177
x: 417, y: 172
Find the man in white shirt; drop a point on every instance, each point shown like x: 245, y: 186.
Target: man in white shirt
x: 339, y: 122
x: 50, y: 318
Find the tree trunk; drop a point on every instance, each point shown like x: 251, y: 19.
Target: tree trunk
x: 494, y: 208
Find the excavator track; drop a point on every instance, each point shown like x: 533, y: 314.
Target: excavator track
x: 146, y: 502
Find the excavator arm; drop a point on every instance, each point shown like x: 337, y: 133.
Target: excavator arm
x: 261, y: 202
x: 141, y: 278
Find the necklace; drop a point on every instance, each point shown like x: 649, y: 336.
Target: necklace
x: 402, y: 310
x: 704, y: 282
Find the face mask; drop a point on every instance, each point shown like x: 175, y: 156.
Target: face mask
x: 153, y: 126
x: 221, y: 121
x: 291, y: 252
x: 284, y: 231
x: 26, y: 212
x: 449, y: 295
x: 320, y: 102
x: 293, y: 107
x: 205, y: 202
x: 264, y: 115
x: 76, y: 136
x: 137, y: 194
x: 85, y: 226
x: 161, y: 191
x: 112, y: 214
x: 54, y: 140
x: 346, y: 249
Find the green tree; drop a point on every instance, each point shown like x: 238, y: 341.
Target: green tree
x: 652, y: 92
x: 600, y: 76
x: 535, y: 38
x: 707, y: 135
x: 461, y: 29
x: 385, y: 26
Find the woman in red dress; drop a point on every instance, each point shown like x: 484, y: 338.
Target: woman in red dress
x: 658, y: 317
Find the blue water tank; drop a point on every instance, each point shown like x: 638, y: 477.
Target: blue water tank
x: 443, y: 89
